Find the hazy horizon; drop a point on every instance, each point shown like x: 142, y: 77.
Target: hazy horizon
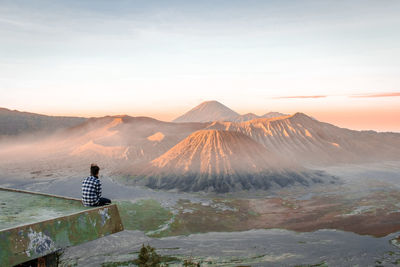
x: 340, y: 118
x: 336, y: 61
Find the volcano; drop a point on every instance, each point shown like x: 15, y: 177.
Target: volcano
x: 223, y: 161
x: 208, y: 111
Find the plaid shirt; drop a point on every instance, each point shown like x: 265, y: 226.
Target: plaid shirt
x: 91, y: 191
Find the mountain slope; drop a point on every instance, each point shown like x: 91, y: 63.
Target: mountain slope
x: 133, y: 139
x: 14, y: 122
x: 117, y: 143
x: 252, y: 116
x: 222, y: 161
x: 246, y: 117
x: 272, y: 114
x: 216, y: 152
x: 308, y: 141
x: 208, y: 111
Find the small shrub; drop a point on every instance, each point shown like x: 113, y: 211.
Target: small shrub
x: 190, y: 263
x: 148, y: 257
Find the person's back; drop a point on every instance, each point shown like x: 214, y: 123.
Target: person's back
x: 91, y: 189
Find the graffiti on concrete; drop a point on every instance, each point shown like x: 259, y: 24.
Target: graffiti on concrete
x: 39, y: 243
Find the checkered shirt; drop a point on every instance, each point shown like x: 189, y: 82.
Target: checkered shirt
x: 91, y: 191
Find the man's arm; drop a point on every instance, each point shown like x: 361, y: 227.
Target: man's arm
x: 99, y: 189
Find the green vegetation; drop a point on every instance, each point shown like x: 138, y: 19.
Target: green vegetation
x: 220, y: 216
x: 147, y: 257
x: 190, y: 263
x: 144, y: 215
x: 21, y: 208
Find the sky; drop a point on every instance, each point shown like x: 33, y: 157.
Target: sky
x: 338, y: 61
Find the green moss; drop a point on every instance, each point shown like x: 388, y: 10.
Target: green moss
x: 212, y: 218
x: 144, y: 215
x: 22, y: 208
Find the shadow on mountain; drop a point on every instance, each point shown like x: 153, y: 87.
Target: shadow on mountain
x: 220, y: 183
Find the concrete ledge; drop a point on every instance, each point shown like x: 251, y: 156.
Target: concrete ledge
x: 30, y: 241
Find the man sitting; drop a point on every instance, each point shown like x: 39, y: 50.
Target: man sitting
x: 91, y: 189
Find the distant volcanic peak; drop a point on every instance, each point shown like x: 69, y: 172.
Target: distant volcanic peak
x: 298, y: 116
x: 249, y: 115
x: 254, y: 122
x: 216, y: 152
x: 246, y: 117
x: 210, y: 102
x: 208, y: 111
x: 273, y: 114
x: 301, y: 116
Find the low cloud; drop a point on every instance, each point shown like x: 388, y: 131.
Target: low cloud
x: 377, y: 95
x: 301, y: 96
x: 390, y: 94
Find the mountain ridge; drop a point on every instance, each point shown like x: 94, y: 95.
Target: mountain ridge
x: 213, y: 110
x: 16, y: 122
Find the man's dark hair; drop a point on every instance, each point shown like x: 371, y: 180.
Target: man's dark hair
x: 94, y: 169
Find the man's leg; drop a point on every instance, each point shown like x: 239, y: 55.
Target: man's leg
x: 104, y: 201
